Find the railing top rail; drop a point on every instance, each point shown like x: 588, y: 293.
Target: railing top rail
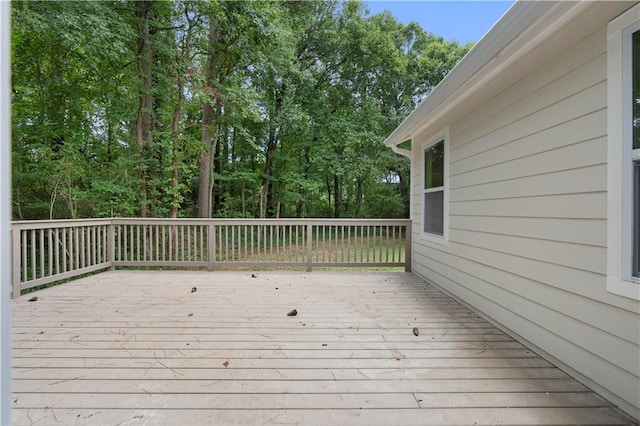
x: 252, y: 221
x: 58, y: 223
x: 68, y: 223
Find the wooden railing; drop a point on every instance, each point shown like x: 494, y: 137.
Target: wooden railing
x: 49, y: 251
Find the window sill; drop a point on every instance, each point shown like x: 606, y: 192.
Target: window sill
x: 433, y: 238
x: 623, y: 288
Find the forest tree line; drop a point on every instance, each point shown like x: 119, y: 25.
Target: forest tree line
x: 214, y: 108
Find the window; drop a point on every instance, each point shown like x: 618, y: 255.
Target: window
x: 623, y: 154
x: 631, y: 149
x: 434, y: 189
x: 634, y: 150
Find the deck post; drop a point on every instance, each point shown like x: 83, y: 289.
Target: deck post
x: 111, y: 245
x: 211, y: 246
x: 5, y: 215
x: 309, y: 246
x: 407, y: 248
x: 16, y: 257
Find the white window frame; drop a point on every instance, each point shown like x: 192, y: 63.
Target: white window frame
x: 444, y: 238
x: 620, y: 156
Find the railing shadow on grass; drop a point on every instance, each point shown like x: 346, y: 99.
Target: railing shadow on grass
x: 46, y: 252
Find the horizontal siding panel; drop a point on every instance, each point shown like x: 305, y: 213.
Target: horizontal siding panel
x: 585, y: 102
x: 546, y: 284
x: 579, y: 130
x: 591, y: 232
x: 578, y: 54
x: 586, y: 258
x: 585, y: 206
x: 562, y: 90
x: 558, y: 279
x: 585, y: 179
x: 582, y: 154
x: 481, y: 280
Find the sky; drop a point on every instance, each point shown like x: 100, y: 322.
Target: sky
x: 461, y: 21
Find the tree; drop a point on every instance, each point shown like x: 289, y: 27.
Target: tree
x: 206, y: 108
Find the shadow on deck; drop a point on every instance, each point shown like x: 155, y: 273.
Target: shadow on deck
x: 218, y: 348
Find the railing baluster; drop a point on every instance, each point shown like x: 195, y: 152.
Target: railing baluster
x: 226, y: 242
x: 187, y: 255
x: 252, y: 227
x: 41, y: 252
x: 357, y: 247
x: 270, y: 243
x: 58, y: 247
x: 136, y: 243
x: 246, y: 249
x: 172, y: 240
x: 349, y: 244
x: 194, y: 243
x: 65, y: 252
x: 234, y: 228
x: 81, y: 254
x: 153, y: 242
x: 50, y: 251
x: 76, y: 248
x: 211, y: 245
x: 380, y: 243
x: 128, y: 244
x: 163, y: 231
x: 23, y: 257
x: 88, y: 244
x: 32, y: 240
x: 121, y: 243
x: 82, y: 237
x: 324, y: 245
x: 94, y: 233
x: 291, y: 253
x: 201, y: 254
x: 144, y: 242
x: 97, y: 237
x: 387, y: 243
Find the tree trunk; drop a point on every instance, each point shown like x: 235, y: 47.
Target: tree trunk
x: 337, y: 197
x: 266, y: 189
x: 263, y: 200
x: 144, y: 121
x: 359, y: 197
x: 328, y: 186
x: 404, y: 193
x: 175, y: 126
x: 205, y: 166
x: 217, y: 170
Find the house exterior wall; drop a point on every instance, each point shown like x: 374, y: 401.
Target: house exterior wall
x: 527, y: 237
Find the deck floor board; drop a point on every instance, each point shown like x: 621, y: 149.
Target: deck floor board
x: 193, y: 347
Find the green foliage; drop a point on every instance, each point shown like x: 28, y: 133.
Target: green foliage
x: 303, y: 94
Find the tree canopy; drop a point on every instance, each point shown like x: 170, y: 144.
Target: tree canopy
x: 214, y: 108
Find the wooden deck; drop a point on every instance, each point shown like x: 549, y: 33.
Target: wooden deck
x: 217, y: 348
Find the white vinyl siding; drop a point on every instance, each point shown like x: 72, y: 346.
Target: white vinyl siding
x: 528, y: 217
